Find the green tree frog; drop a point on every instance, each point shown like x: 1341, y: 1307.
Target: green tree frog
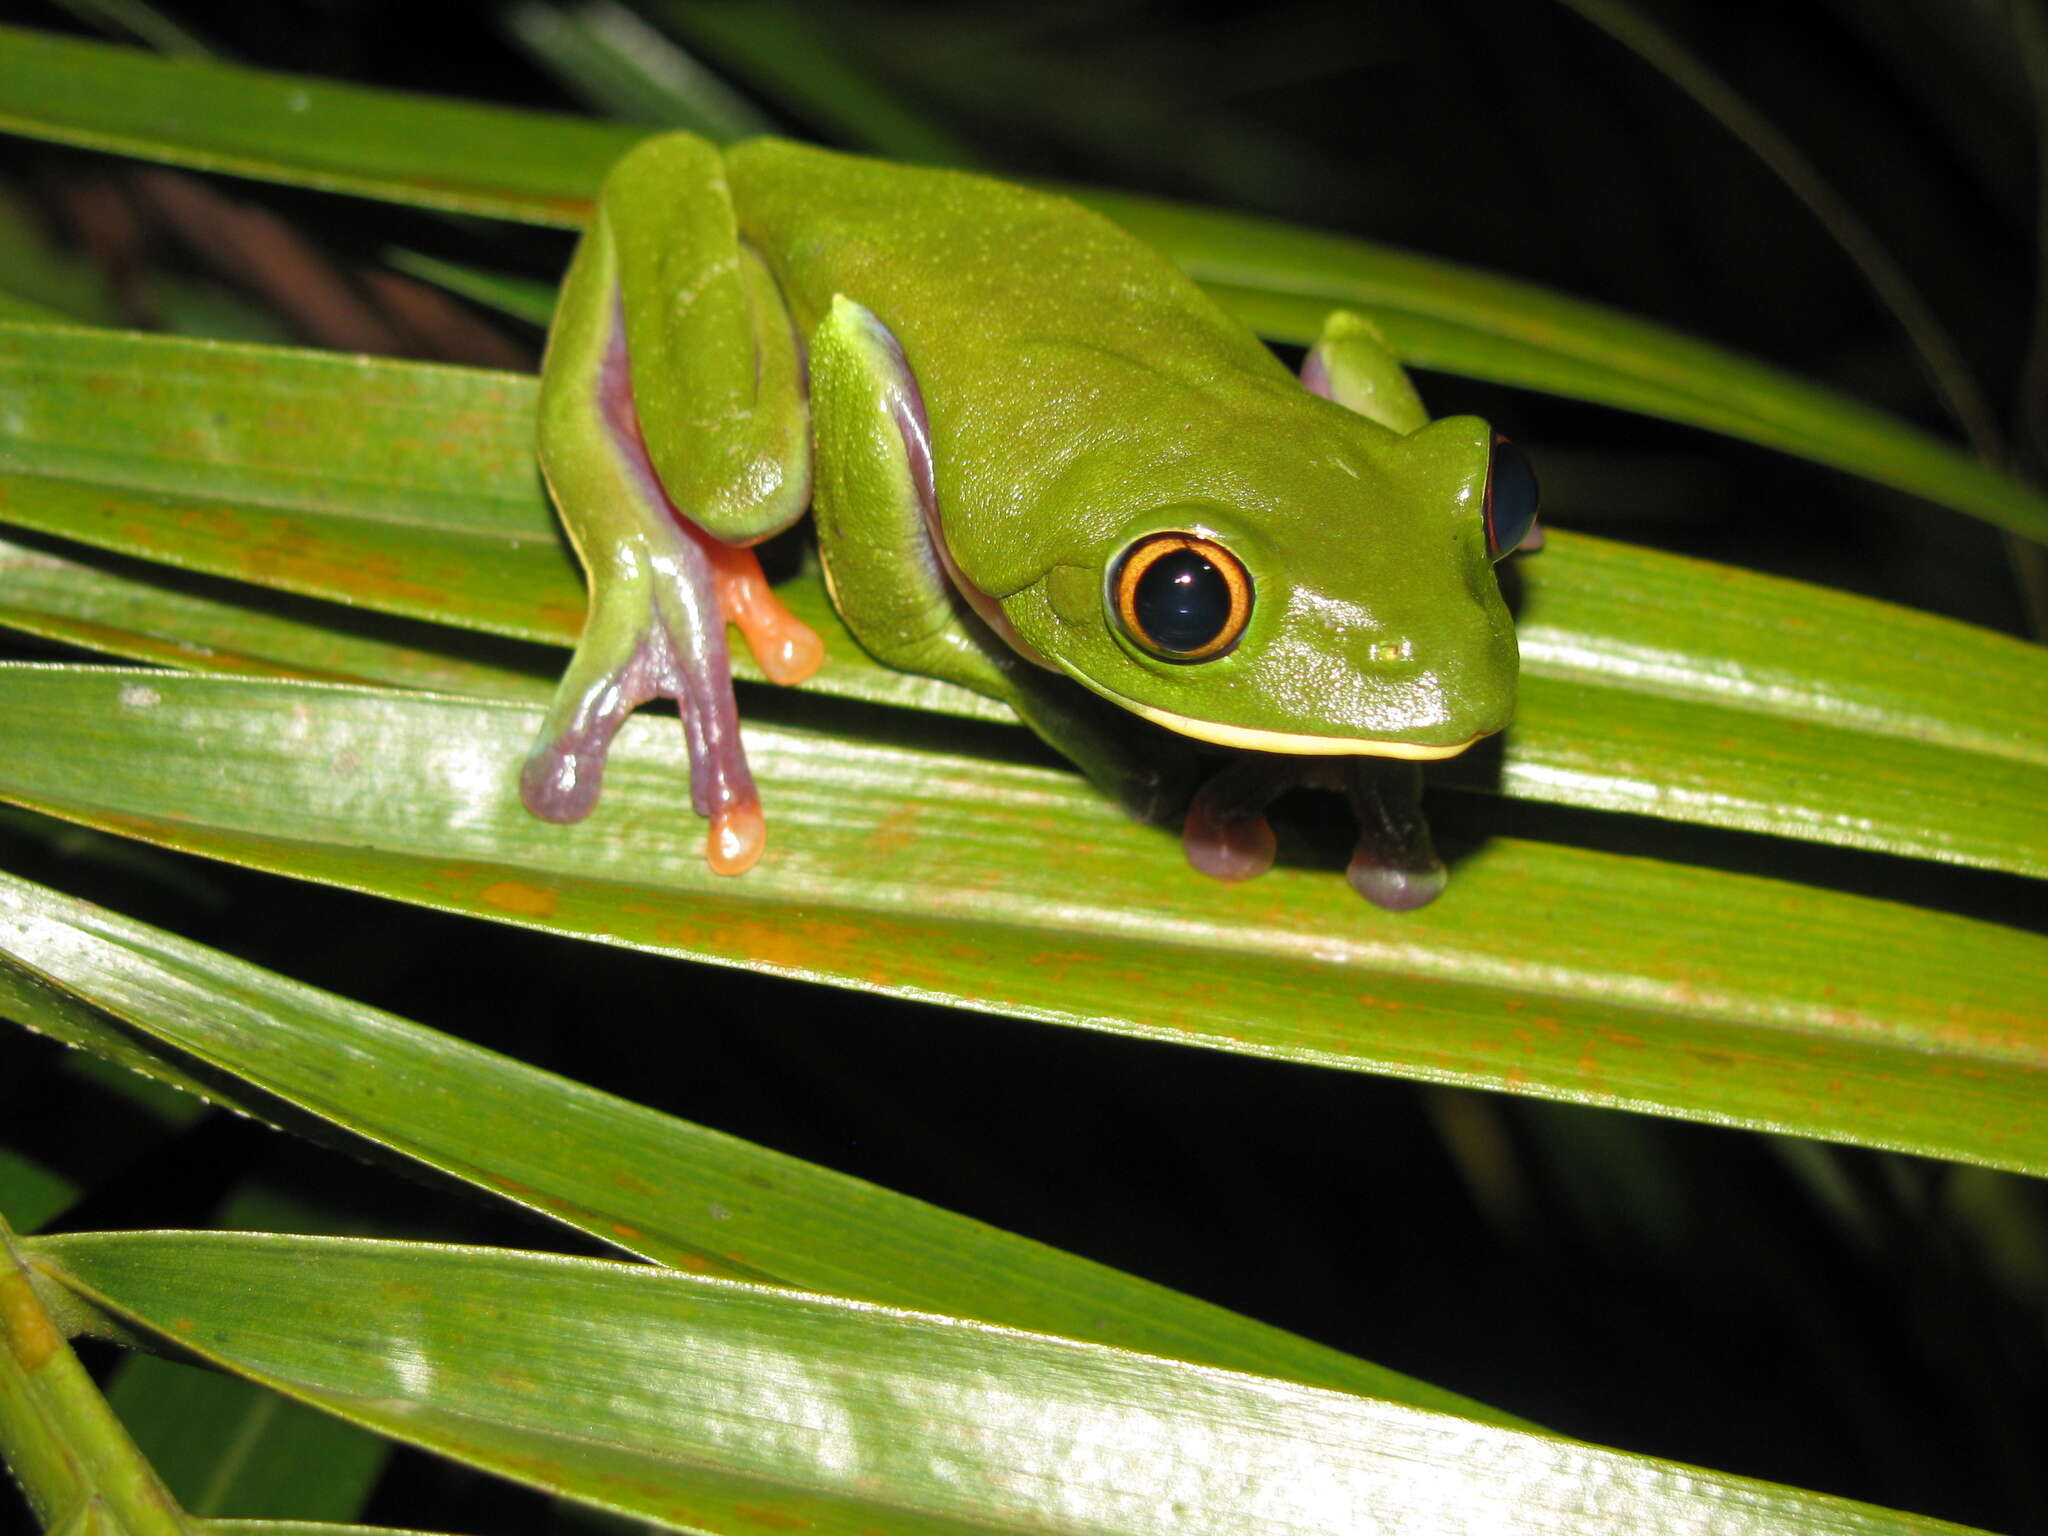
x: 1045, y: 466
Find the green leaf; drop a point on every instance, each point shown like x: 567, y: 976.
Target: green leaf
x: 1545, y: 970
x: 705, y: 1405
x: 1281, y: 279
x: 39, y: 283
x: 223, y: 1445
x: 1651, y: 683
x: 791, y: 55
x: 520, y: 297
x: 30, y: 1193
x: 645, y: 1182
x: 623, y: 67
x: 154, y: 614
x: 461, y: 156
x: 81, y: 1473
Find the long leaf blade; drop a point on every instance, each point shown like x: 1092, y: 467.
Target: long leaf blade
x: 786, y: 1409
x: 645, y: 1182
x: 1652, y: 683
x: 1545, y: 970
x: 153, y: 615
x: 307, y: 131
x: 546, y: 168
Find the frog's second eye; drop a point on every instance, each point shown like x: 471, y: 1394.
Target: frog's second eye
x: 1512, y: 499
x: 1181, y: 597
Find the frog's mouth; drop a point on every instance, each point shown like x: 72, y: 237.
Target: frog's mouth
x: 1295, y: 744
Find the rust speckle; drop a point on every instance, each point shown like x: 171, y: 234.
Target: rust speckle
x: 774, y: 1519
x: 897, y: 832
x: 517, y: 897
x: 560, y: 619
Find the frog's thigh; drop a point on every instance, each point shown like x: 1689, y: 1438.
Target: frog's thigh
x: 872, y: 501
x: 1352, y: 364
x: 718, y: 380
x: 717, y: 376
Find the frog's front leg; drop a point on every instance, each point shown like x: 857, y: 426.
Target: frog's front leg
x: 672, y: 431
x: 885, y: 557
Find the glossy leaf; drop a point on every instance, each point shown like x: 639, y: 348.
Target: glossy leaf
x: 705, y: 1405
x: 1545, y: 970
x: 152, y: 614
x: 1652, y: 683
x: 1279, y: 278
x: 644, y: 1182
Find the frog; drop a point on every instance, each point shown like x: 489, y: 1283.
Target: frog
x: 1044, y: 465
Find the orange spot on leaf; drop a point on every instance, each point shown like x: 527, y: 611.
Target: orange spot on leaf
x: 518, y: 897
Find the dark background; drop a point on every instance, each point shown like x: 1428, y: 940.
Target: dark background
x: 1864, y: 1324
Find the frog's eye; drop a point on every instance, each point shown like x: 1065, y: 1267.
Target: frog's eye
x: 1180, y: 596
x: 1512, y: 499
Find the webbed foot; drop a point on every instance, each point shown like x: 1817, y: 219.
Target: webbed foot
x: 1226, y: 835
x: 1394, y: 864
x: 656, y: 630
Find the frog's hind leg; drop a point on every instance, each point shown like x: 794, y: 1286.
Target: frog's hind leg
x: 655, y: 630
x: 669, y: 439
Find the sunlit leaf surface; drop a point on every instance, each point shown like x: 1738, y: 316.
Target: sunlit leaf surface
x: 655, y: 1186
x: 928, y: 874
x: 1652, y: 683
x: 705, y: 1405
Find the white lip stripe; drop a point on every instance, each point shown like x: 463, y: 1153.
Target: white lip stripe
x: 1296, y: 745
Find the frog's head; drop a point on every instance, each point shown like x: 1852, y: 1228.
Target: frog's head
x: 1347, y: 606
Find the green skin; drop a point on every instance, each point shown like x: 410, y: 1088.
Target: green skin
x: 989, y: 393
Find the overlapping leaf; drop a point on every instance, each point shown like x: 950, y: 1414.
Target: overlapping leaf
x: 1652, y: 683
x: 704, y: 1405
x: 645, y: 1182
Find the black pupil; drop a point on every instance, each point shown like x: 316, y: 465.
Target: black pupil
x: 1513, y: 495
x: 1181, y: 603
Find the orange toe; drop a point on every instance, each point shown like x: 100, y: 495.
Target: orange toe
x: 787, y: 649
x: 738, y: 835
x: 788, y: 652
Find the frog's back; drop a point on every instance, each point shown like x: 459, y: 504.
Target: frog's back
x: 1067, y: 369
x: 962, y: 266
